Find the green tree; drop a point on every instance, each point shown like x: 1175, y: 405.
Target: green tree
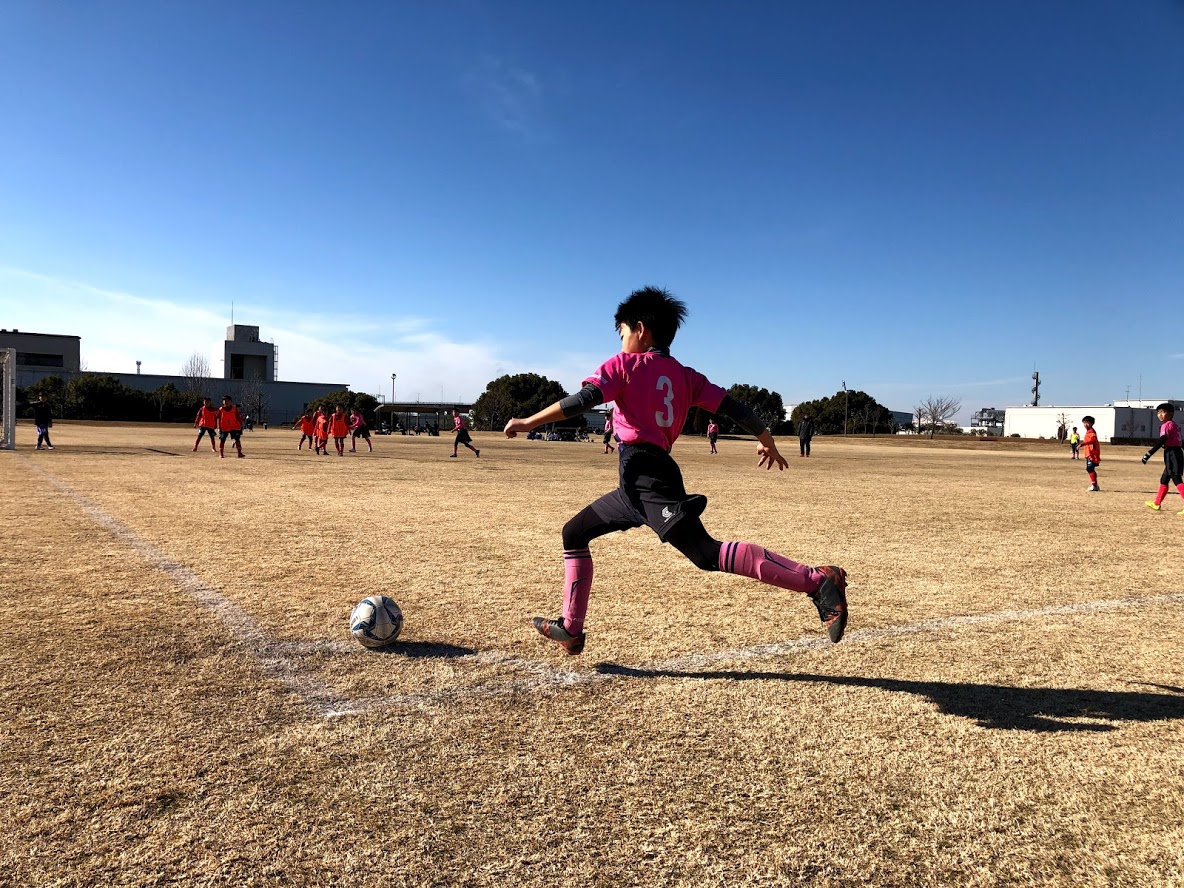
x: 173, y: 405
x: 347, y: 399
x: 95, y: 396
x: 767, y: 405
x: 863, y: 414
x: 508, y: 396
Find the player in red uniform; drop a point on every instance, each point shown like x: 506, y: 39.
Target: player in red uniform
x: 339, y: 428
x: 321, y: 432
x: 206, y: 421
x: 307, y: 430
x: 1093, y: 453
x: 653, y: 394
x: 230, y: 421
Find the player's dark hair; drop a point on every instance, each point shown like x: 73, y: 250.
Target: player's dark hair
x: 1168, y: 408
x: 661, y: 313
x: 1088, y: 419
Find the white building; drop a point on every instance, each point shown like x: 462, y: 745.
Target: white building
x: 1122, y: 419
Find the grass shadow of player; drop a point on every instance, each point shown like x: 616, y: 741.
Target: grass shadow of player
x: 427, y: 650
x: 990, y: 706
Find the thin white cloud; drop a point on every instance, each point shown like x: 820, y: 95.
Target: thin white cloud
x: 117, y: 329
x: 510, y: 96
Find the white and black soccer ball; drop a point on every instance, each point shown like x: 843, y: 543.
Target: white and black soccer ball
x: 376, y: 621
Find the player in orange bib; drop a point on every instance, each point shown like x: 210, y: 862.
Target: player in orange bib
x: 230, y: 421
x: 339, y: 429
x: 206, y: 421
x: 307, y: 428
x: 321, y: 431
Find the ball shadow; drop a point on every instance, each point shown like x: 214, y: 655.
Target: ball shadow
x: 426, y: 650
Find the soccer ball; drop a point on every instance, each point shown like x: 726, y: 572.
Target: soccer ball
x: 376, y: 621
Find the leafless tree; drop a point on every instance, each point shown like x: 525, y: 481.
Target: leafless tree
x: 934, y: 412
x: 196, y: 371
x: 1062, y: 427
x: 252, y: 397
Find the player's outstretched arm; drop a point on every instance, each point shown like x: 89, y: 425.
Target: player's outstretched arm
x: 585, y: 399
x: 548, y: 414
x: 766, y: 448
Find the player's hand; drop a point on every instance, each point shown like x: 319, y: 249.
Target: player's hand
x: 769, y: 456
x: 1146, y: 456
x: 514, y: 426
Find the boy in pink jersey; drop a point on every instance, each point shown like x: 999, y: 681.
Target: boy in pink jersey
x: 1173, y: 454
x: 653, y: 394
x: 462, y: 434
x: 712, y: 433
x: 608, y: 433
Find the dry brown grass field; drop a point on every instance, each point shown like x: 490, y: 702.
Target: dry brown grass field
x: 182, y: 704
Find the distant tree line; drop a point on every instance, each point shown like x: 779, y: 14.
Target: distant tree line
x: 848, y: 412
x: 95, y: 396
x: 367, y: 404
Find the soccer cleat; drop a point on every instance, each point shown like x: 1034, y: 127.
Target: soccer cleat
x: 1093, y: 488
x: 553, y: 629
x: 1154, y: 506
x: 831, y: 601
x: 478, y: 454
x: 452, y: 456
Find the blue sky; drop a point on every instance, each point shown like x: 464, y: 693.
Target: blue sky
x: 920, y: 198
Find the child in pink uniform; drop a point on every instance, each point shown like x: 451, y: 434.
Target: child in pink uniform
x: 653, y: 394
x: 1173, y: 454
x: 462, y: 434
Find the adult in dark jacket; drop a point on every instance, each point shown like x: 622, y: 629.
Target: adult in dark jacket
x: 805, y: 433
x: 43, y: 419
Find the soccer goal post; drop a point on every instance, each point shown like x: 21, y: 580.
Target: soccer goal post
x: 7, y: 398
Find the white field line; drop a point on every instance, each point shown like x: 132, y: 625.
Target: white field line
x: 242, y: 626
x: 536, y: 678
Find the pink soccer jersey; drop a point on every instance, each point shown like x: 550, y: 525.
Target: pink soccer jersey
x: 458, y: 423
x: 654, y: 393
x: 1172, y: 430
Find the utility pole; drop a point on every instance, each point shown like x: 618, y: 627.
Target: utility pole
x: 846, y: 397
x: 1035, y: 388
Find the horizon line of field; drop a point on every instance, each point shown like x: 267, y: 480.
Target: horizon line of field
x: 275, y: 657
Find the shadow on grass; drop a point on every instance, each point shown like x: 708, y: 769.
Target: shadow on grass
x: 426, y: 650
x: 991, y: 706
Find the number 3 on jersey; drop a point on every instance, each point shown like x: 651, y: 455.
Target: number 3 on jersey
x: 665, y: 418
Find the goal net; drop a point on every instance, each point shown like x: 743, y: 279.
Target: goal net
x: 7, y: 398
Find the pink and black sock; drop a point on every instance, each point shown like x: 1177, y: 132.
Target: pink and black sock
x: 749, y: 560
x: 577, y: 569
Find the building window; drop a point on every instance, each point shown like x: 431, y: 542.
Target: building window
x: 33, y: 359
